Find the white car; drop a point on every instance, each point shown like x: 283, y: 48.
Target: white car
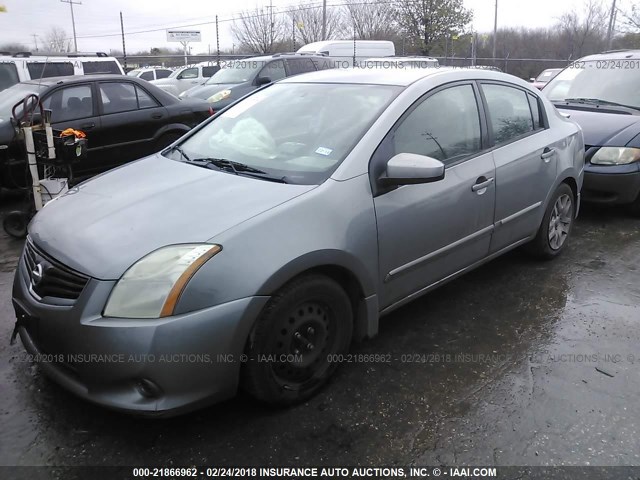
x: 186, y: 77
x: 151, y: 73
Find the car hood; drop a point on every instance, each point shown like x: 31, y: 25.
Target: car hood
x: 205, y: 91
x: 605, y: 129
x: 103, y: 226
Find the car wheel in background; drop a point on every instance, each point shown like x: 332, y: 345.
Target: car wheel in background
x: 556, y: 226
x: 167, y: 139
x: 15, y: 224
x: 295, y: 345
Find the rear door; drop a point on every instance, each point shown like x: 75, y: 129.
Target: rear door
x: 526, y: 160
x: 130, y: 119
x: 428, y: 232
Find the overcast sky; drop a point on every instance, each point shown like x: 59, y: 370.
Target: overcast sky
x: 98, y: 21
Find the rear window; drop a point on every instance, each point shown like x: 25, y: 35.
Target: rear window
x: 101, y: 67
x: 8, y: 75
x: 50, y: 69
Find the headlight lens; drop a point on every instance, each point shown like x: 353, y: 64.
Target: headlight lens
x: 152, y: 287
x: 616, y: 156
x: 217, y: 97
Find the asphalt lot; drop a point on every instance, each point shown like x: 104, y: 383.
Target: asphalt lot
x: 518, y: 363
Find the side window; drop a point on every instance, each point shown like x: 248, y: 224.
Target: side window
x: 70, y: 103
x: 54, y: 69
x: 445, y: 126
x: 163, y: 73
x: 209, y: 71
x: 147, y: 75
x: 273, y: 70
x: 144, y: 99
x: 536, y: 112
x: 300, y: 65
x: 188, y: 73
x: 101, y: 67
x: 509, y: 112
x: 118, y: 97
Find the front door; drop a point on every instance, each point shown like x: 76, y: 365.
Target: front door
x: 431, y: 231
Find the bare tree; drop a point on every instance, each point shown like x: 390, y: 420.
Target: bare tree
x: 430, y: 22
x: 259, y: 31
x: 584, y: 32
x: 13, y: 47
x: 306, y: 21
x: 57, y: 40
x: 631, y: 19
x: 370, y: 20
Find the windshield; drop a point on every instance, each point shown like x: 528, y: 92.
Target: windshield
x: 14, y: 94
x: 546, y: 75
x: 597, y: 79
x: 301, y: 132
x: 177, y: 72
x: 236, y: 72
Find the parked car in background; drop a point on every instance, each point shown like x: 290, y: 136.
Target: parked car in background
x: 150, y: 73
x: 602, y: 94
x: 286, y: 226
x: 346, y: 50
x: 184, y: 78
x: 545, y: 77
x: 124, y: 118
x: 24, y: 66
x: 240, y: 77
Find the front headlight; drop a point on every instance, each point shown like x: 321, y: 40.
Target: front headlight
x: 616, y: 156
x: 217, y: 97
x: 152, y: 287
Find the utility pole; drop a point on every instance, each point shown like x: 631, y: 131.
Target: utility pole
x: 612, y: 25
x: 73, y: 22
x: 324, y: 19
x: 495, y: 30
x: 124, y: 48
x: 35, y: 40
x: 271, y: 24
x: 217, y: 42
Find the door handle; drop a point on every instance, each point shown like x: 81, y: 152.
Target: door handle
x: 156, y: 115
x: 547, y: 153
x: 481, y: 185
x: 87, y: 126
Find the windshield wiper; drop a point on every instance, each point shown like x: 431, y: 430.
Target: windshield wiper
x: 598, y: 101
x: 181, y: 152
x: 236, y: 168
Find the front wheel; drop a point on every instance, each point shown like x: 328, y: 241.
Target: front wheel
x: 295, y: 344
x: 557, y: 223
x: 15, y: 224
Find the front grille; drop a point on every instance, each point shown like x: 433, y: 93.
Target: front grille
x: 49, y: 278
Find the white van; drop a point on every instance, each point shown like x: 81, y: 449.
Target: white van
x: 24, y: 66
x: 346, y: 50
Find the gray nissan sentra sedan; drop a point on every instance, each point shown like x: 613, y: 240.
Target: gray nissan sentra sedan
x: 253, y: 251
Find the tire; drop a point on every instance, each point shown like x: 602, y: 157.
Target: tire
x: 15, y: 224
x: 167, y: 139
x: 556, y: 226
x: 311, y: 317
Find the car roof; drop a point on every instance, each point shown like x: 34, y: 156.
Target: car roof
x: 77, y: 79
x: 377, y: 76
x: 613, y: 55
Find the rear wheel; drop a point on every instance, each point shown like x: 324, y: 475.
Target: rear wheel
x: 167, y: 139
x: 293, y: 346
x: 556, y: 226
x: 15, y: 224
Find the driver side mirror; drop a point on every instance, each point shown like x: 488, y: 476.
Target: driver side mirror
x: 262, y: 81
x: 410, y: 169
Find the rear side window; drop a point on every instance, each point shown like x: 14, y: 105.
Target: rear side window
x: 144, y: 99
x: 8, y: 75
x: 118, y: 97
x: 163, y: 73
x: 209, y: 71
x: 300, y: 65
x: 101, y: 67
x: 536, y: 112
x: 147, y: 75
x: 52, y: 69
x: 509, y: 112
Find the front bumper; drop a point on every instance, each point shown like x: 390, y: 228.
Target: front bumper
x: 614, y: 185
x: 153, y: 367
